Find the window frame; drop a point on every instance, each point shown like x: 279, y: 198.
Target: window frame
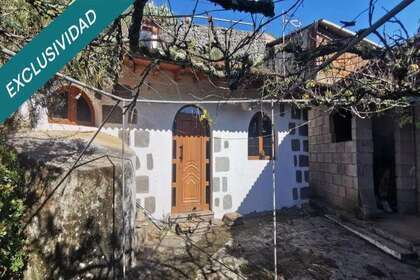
x: 261, y: 152
x: 72, y: 93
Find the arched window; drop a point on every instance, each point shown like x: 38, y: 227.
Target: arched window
x: 83, y: 111
x: 59, y: 109
x: 71, y: 106
x: 260, y: 142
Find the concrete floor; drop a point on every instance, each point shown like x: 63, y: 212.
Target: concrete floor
x: 309, y: 247
x: 407, y: 227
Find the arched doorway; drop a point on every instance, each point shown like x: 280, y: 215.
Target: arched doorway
x: 190, y: 161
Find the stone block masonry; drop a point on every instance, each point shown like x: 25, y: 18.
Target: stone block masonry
x: 216, y: 184
x: 295, y: 145
x: 405, y: 169
x: 222, y: 164
x: 299, y: 146
x: 342, y: 173
x: 150, y: 204
x: 217, y: 148
x: 222, y: 199
x: 333, y: 166
x: 149, y: 159
x: 142, y: 184
x: 141, y: 139
x: 417, y: 145
x: 227, y: 202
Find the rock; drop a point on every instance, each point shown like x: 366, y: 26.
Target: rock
x: 232, y: 219
x: 81, y: 210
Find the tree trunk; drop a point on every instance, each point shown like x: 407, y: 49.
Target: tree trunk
x: 135, y: 27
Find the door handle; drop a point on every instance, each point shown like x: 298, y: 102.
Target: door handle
x: 181, y: 152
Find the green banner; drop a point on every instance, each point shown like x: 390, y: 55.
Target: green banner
x: 55, y: 46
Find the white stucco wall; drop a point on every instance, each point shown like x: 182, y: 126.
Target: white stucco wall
x: 246, y: 186
x: 249, y: 182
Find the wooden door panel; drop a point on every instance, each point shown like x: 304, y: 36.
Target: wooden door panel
x: 190, y: 143
x: 191, y: 179
x: 191, y: 182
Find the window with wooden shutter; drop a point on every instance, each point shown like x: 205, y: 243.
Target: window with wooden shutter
x: 70, y: 105
x: 260, y: 142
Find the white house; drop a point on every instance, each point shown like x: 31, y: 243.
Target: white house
x: 196, y: 153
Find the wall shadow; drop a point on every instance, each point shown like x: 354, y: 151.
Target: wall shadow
x: 260, y: 196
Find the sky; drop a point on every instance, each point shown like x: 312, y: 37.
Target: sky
x: 312, y: 10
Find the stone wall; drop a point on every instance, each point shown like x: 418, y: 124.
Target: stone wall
x: 417, y: 145
x: 333, y: 165
x: 299, y: 147
x: 342, y: 173
x: 363, y: 137
x: 405, y: 167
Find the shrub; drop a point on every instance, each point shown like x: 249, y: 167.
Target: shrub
x: 12, y: 241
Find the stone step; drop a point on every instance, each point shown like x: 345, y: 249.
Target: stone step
x: 188, y: 228
x: 205, y: 216
x: 194, y: 226
x: 388, y: 246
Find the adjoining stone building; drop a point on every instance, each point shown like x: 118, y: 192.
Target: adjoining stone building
x: 373, y: 167
x: 367, y: 166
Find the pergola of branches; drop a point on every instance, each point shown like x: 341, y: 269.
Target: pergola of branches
x: 367, y: 82
x: 388, y: 79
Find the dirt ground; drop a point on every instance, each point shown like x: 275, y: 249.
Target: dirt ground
x: 308, y: 247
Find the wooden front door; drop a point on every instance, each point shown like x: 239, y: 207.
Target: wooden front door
x: 190, y: 162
